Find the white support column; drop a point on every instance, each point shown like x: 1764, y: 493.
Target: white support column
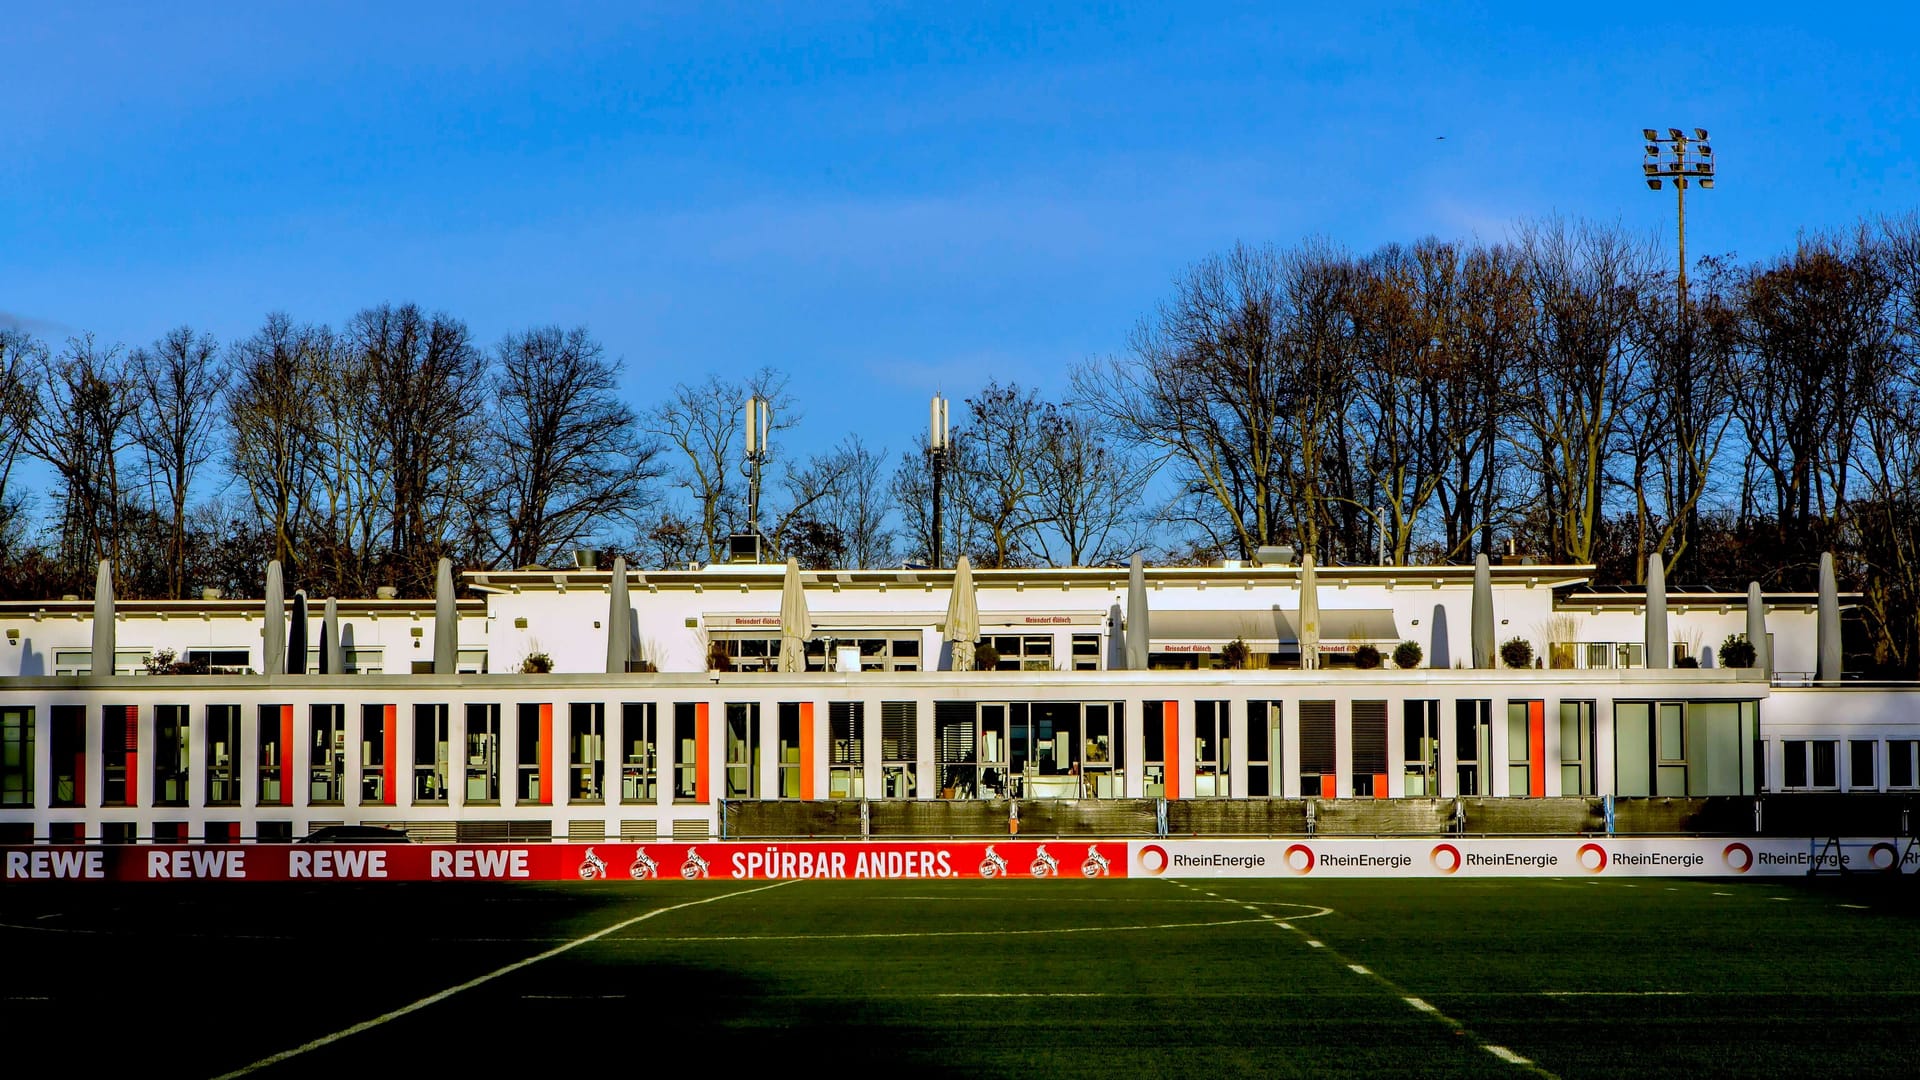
x: 1446, y: 727
x: 926, y: 776
x: 562, y: 793
x: 353, y: 773
x: 1289, y: 765
x: 1343, y: 747
x: 1497, y: 752
x: 1395, y: 735
x: 1237, y: 742
x: 1603, y: 756
x: 1134, y: 739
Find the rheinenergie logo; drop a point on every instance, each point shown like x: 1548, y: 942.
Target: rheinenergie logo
x: 1153, y: 859
x: 1446, y: 858
x: 1592, y: 857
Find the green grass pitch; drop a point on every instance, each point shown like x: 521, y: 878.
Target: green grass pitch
x: 1569, y: 978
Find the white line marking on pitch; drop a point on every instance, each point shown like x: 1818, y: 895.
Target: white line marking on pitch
x: 1855, y: 907
x: 1723, y: 894
x: 1506, y: 1055
x: 1019, y: 995
x: 1359, y: 969
x: 1614, y: 993
x: 1286, y: 926
x: 1421, y: 1005
x: 573, y: 997
x: 1316, y: 944
x: 433, y: 999
x: 950, y: 933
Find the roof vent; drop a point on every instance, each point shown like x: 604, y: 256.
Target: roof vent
x: 586, y: 559
x: 1273, y: 555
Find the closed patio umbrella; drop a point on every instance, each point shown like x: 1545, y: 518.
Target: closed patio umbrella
x: 297, y: 635
x: 1659, y: 646
x: 446, y: 622
x: 332, y: 653
x: 273, y: 629
x: 1309, y: 615
x: 1139, y: 642
x: 963, y: 616
x: 796, y: 625
x: 103, y: 628
x: 1482, y: 628
x: 1827, y: 626
x: 619, y: 620
x: 1757, y: 628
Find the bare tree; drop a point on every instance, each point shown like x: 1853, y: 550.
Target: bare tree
x: 1089, y: 497
x: 999, y: 461
x: 428, y: 383
x: 1585, y: 283
x: 273, y: 425
x: 857, y: 505
x: 81, y: 426
x: 21, y: 358
x: 571, y: 456
x: 702, y: 424
x: 177, y: 385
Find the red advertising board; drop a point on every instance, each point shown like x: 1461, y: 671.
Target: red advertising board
x: 850, y: 860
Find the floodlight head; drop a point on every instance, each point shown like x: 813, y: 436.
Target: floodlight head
x: 1706, y: 182
x: 1650, y: 134
x: 1705, y: 150
x: 1676, y: 133
x: 1654, y: 184
x: 1648, y: 168
x: 1700, y: 133
x: 1680, y: 181
x: 1653, y: 149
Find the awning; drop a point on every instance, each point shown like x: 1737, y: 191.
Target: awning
x: 1271, y: 631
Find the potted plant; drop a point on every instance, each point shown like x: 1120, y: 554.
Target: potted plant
x: 1366, y: 656
x: 985, y: 658
x: 1408, y: 654
x: 1737, y: 652
x: 1517, y: 652
x: 536, y: 663
x: 1235, y: 655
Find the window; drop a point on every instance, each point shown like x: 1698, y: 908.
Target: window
x: 876, y: 653
x: 80, y: 661
x: 327, y: 755
x: 1860, y: 770
x: 482, y: 756
x: 1472, y: 746
x: 16, y: 756
x: 1903, y: 762
x: 789, y: 749
x: 743, y: 750
x: 587, y: 750
x: 1105, y: 741
x: 274, y: 763
x: 370, y: 660
x: 1003, y: 747
x: 687, y: 740
x: 430, y: 744
x: 639, y: 752
x: 1318, y: 775
x: 1420, y: 748
x: 533, y: 756
x: 221, y: 661
x: 68, y: 736
x: 1153, y: 752
x: 1526, y: 732
x: 1811, y: 763
x: 223, y: 749
x: 1022, y: 652
x: 170, y: 770
x: 1369, y: 724
x: 1264, y: 737
x: 899, y: 749
x: 1086, y: 652
x: 1576, y: 748
x: 846, y: 750
x: 956, y: 730
x: 378, y: 730
x: 119, y: 755
x: 1211, y: 758
x: 1671, y: 775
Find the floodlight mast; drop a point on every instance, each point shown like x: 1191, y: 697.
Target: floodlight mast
x: 1679, y: 157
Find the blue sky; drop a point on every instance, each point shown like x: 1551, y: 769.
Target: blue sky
x: 879, y: 201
